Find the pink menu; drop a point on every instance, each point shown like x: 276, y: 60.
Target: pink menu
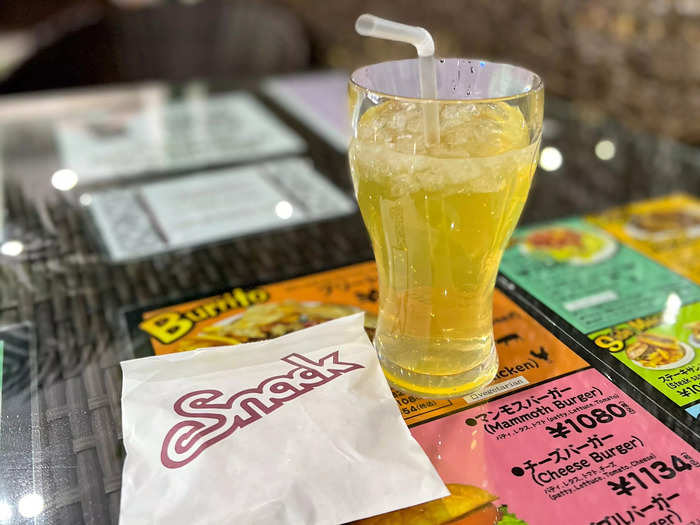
x: 573, y: 450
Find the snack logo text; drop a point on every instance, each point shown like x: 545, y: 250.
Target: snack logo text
x: 209, y: 422
x: 168, y: 327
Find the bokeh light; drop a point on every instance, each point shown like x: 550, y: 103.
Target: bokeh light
x: 605, y: 149
x: 5, y: 512
x: 551, y: 159
x: 64, y: 180
x: 11, y: 248
x: 30, y: 505
x: 284, y: 210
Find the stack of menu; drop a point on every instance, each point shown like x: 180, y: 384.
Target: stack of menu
x: 176, y: 174
x: 595, y: 410
x: 576, y: 297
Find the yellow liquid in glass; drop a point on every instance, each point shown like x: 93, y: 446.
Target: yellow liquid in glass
x: 439, y: 218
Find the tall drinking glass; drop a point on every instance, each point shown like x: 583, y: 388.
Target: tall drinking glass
x: 440, y: 212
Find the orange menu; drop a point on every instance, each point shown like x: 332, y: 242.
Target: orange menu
x: 528, y: 353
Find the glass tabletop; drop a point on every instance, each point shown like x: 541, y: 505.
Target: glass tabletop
x: 128, y: 203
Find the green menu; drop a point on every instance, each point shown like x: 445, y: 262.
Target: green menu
x: 662, y: 348
x: 589, y: 279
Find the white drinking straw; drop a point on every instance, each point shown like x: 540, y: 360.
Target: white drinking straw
x: 370, y: 25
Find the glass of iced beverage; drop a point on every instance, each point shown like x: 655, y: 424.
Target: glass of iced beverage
x: 441, y: 184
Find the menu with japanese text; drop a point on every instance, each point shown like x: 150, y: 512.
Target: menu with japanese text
x: 588, y: 278
x: 528, y: 354
x: 547, y: 437
x: 577, y: 445
x: 666, y: 229
x: 620, y: 303
x: 662, y: 349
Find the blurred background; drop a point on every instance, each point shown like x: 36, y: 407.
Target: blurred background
x: 636, y: 60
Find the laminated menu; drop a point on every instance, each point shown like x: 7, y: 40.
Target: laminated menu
x: 666, y: 229
x: 588, y: 278
x: 573, y: 450
x: 662, y: 348
x: 203, y: 207
x: 318, y: 99
x: 630, y: 311
x: 301, y: 429
x: 549, y: 436
x: 166, y: 135
x: 528, y: 354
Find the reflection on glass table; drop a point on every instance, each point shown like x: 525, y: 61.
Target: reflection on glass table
x: 69, y: 268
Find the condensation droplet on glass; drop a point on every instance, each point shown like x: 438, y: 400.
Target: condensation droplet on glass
x: 442, y: 60
x: 471, y: 69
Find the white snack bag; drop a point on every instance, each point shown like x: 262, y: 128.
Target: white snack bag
x: 301, y: 429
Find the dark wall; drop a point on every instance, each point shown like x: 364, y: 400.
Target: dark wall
x: 637, y: 59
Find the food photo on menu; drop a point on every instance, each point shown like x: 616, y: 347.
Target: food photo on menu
x: 284, y: 263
